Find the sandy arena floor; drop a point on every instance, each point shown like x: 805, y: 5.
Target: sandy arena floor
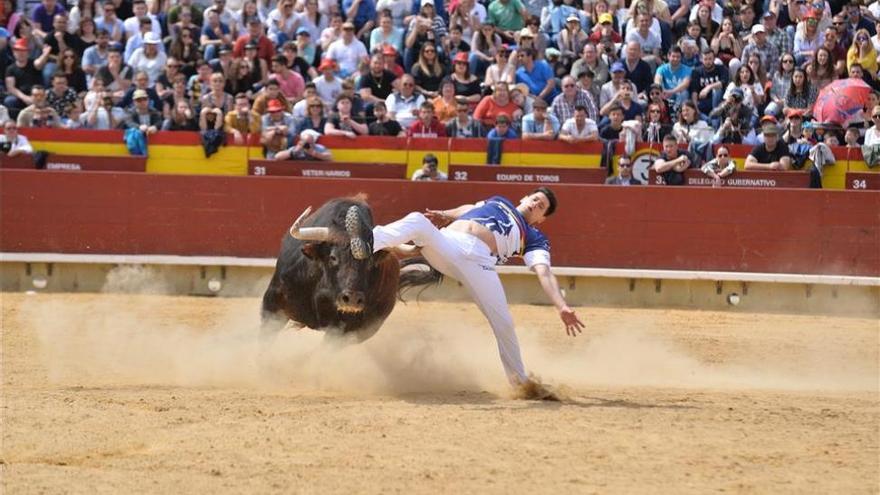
x: 126, y: 394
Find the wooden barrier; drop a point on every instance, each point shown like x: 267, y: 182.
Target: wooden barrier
x: 863, y: 181
x: 326, y: 169
x: 753, y: 179
x: 545, y: 175
x: 79, y: 163
x: 25, y: 162
x: 753, y: 230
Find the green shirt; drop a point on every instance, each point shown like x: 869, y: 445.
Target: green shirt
x: 508, y: 17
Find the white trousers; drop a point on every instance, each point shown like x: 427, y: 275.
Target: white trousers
x: 467, y: 259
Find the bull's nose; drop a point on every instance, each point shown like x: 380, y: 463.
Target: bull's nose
x: 351, y: 300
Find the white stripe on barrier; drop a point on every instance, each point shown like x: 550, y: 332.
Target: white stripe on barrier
x: 158, y: 259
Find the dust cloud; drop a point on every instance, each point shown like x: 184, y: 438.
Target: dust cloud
x: 136, y: 339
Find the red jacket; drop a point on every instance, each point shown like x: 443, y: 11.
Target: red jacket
x: 419, y: 129
x: 265, y: 48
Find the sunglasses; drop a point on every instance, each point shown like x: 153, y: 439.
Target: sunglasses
x: 837, y: 23
x: 625, y: 165
x: 408, y: 84
x: 316, y: 106
x: 71, y: 57
x: 430, y: 51
x: 722, y: 154
x: 654, y: 111
x: 787, y: 61
x: 568, y: 85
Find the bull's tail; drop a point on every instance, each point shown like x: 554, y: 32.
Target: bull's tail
x: 416, y: 272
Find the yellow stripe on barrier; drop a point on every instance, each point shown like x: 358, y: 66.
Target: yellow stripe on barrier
x: 81, y: 149
x: 173, y: 159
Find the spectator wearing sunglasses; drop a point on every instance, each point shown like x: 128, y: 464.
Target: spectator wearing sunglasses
x: 872, y: 135
x: 719, y: 167
x: 624, y: 175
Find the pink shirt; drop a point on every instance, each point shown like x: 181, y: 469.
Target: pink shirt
x: 292, y: 86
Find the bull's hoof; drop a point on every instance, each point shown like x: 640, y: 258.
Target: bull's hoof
x: 361, y: 237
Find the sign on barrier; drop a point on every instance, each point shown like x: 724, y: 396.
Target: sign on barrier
x: 546, y: 175
x: 330, y: 170
x: 863, y: 181
x: 762, y: 179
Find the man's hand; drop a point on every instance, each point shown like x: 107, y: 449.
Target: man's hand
x: 439, y: 218
x: 573, y: 324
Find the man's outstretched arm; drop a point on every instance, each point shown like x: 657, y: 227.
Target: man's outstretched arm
x: 442, y: 218
x: 573, y: 325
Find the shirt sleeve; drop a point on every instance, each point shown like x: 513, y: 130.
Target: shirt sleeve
x: 537, y: 249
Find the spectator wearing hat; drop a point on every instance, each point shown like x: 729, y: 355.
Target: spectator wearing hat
x: 429, y: 170
x: 719, y: 167
x: 136, y: 40
x: 563, y: 106
x: 554, y: 15
x: 389, y: 59
x: 21, y: 77
x: 141, y: 116
x: 708, y: 82
x: 808, y: 39
x: 604, y: 33
x: 463, y: 125
x: 649, y: 40
x: 672, y: 162
x: 732, y: 119
x: 149, y: 58
x: 571, y: 40
x: 464, y: 83
x: 780, y: 38
x: 508, y: 16
x: 618, y: 80
x: 347, y: 51
x: 271, y: 91
x: 307, y: 49
x: 590, y: 60
x: 378, y: 83
x: 536, y: 74
x: 502, y: 130
x: 624, y: 175
x: 327, y: 84
x: 386, y: 34
x: 579, y: 128
x: 772, y: 154
x: 540, y: 124
x: 306, y: 148
x: 795, y: 131
x: 759, y: 44
x: 491, y: 106
x: 265, y: 47
x: 215, y: 34
x: 383, y: 125
x: 277, y: 127
x: 637, y: 71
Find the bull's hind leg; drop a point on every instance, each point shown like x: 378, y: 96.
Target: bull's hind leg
x: 272, y: 315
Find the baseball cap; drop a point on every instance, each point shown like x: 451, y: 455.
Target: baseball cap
x: 795, y: 112
x: 461, y: 57
x: 525, y: 33
x: 389, y: 50
x: 768, y: 14
x: 606, y: 17
x: 572, y: 18
x: 274, y: 106
x: 151, y: 38
x: 618, y: 67
x: 327, y: 64
x: 552, y: 52
x: 502, y: 118
x: 20, y: 44
x: 737, y: 93
x: 758, y: 28
x: 139, y: 94
x: 427, y: 2
x: 224, y: 49
x: 303, y: 30
x: 769, y: 128
x: 813, y: 14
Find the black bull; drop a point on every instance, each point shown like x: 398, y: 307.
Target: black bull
x: 327, y: 278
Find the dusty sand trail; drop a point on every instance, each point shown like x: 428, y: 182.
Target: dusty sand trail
x: 134, y: 393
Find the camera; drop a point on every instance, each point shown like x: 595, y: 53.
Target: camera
x: 307, y: 146
x: 5, y: 147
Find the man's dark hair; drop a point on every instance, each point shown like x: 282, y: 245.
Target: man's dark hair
x: 551, y: 198
x: 670, y: 137
x: 587, y: 72
x: 529, y: 51
x: 580, y: 106
x: 675, y: 49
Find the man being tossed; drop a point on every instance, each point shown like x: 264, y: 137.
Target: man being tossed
x: 470, y: 241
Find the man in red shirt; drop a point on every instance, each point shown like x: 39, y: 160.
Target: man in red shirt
x: 265, y: 47
x: 426, y: 126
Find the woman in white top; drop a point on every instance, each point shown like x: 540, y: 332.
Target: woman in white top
x: 502, y: 70
x: 753, y: 91
x: 689, y: 128
x: 872, y: 135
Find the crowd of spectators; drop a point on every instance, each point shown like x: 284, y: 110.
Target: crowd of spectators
x: 678, y: 73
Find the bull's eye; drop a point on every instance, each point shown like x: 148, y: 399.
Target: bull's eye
x: 333, y: 259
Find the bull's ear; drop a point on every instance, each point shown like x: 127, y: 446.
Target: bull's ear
x: 310, y: 249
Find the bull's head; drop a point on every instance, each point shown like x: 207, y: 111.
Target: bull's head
x: 344, y: 256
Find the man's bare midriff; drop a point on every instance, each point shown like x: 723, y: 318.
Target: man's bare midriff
x: 479, y: 231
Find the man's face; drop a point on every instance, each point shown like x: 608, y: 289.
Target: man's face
x: 103, y: 40
x: 242, y: 105
x: 580, y: 116
x: 39, y: 97
x: 407, y: 86
x: 255, y: 30
x: 59, y: 85
x: 21, y: 56
x: 674, y: 58
x: 671, y: 149
x: 379, y: 111
x: 59, y: 23
x: 770, y: 139
x: 142, y: 81
x: 590, y: 54
x: 633, y: 51
x: 141, y: 103
x: 534, y: 207
x: 625, y: 168
x: 616, y: 118
x: 626, y: 92
x: 617, y: 76
x: 11, y: 130
x: 348, y: 33
x: 501, y: 127
x: 769, y: 23
x: 114, y: 58
x: 723, y: 156
x: 461, y: 110
x: 708, y: 60
x: 376, y: 65
x: 855, y: 72
x: 540, y: 113
x: 644, y: 22
x: 568, y: 87
x: 427, y: 114
x: 140, y: 9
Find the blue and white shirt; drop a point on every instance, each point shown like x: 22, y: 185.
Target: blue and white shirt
x: 513, y: 235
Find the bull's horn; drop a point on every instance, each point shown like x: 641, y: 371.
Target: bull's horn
x: 359, y: 248
x: 320, y: 234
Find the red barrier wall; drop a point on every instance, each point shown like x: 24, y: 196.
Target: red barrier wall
x: 793, y: 231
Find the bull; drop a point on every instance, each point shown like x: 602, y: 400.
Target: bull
x: 327, y: 277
